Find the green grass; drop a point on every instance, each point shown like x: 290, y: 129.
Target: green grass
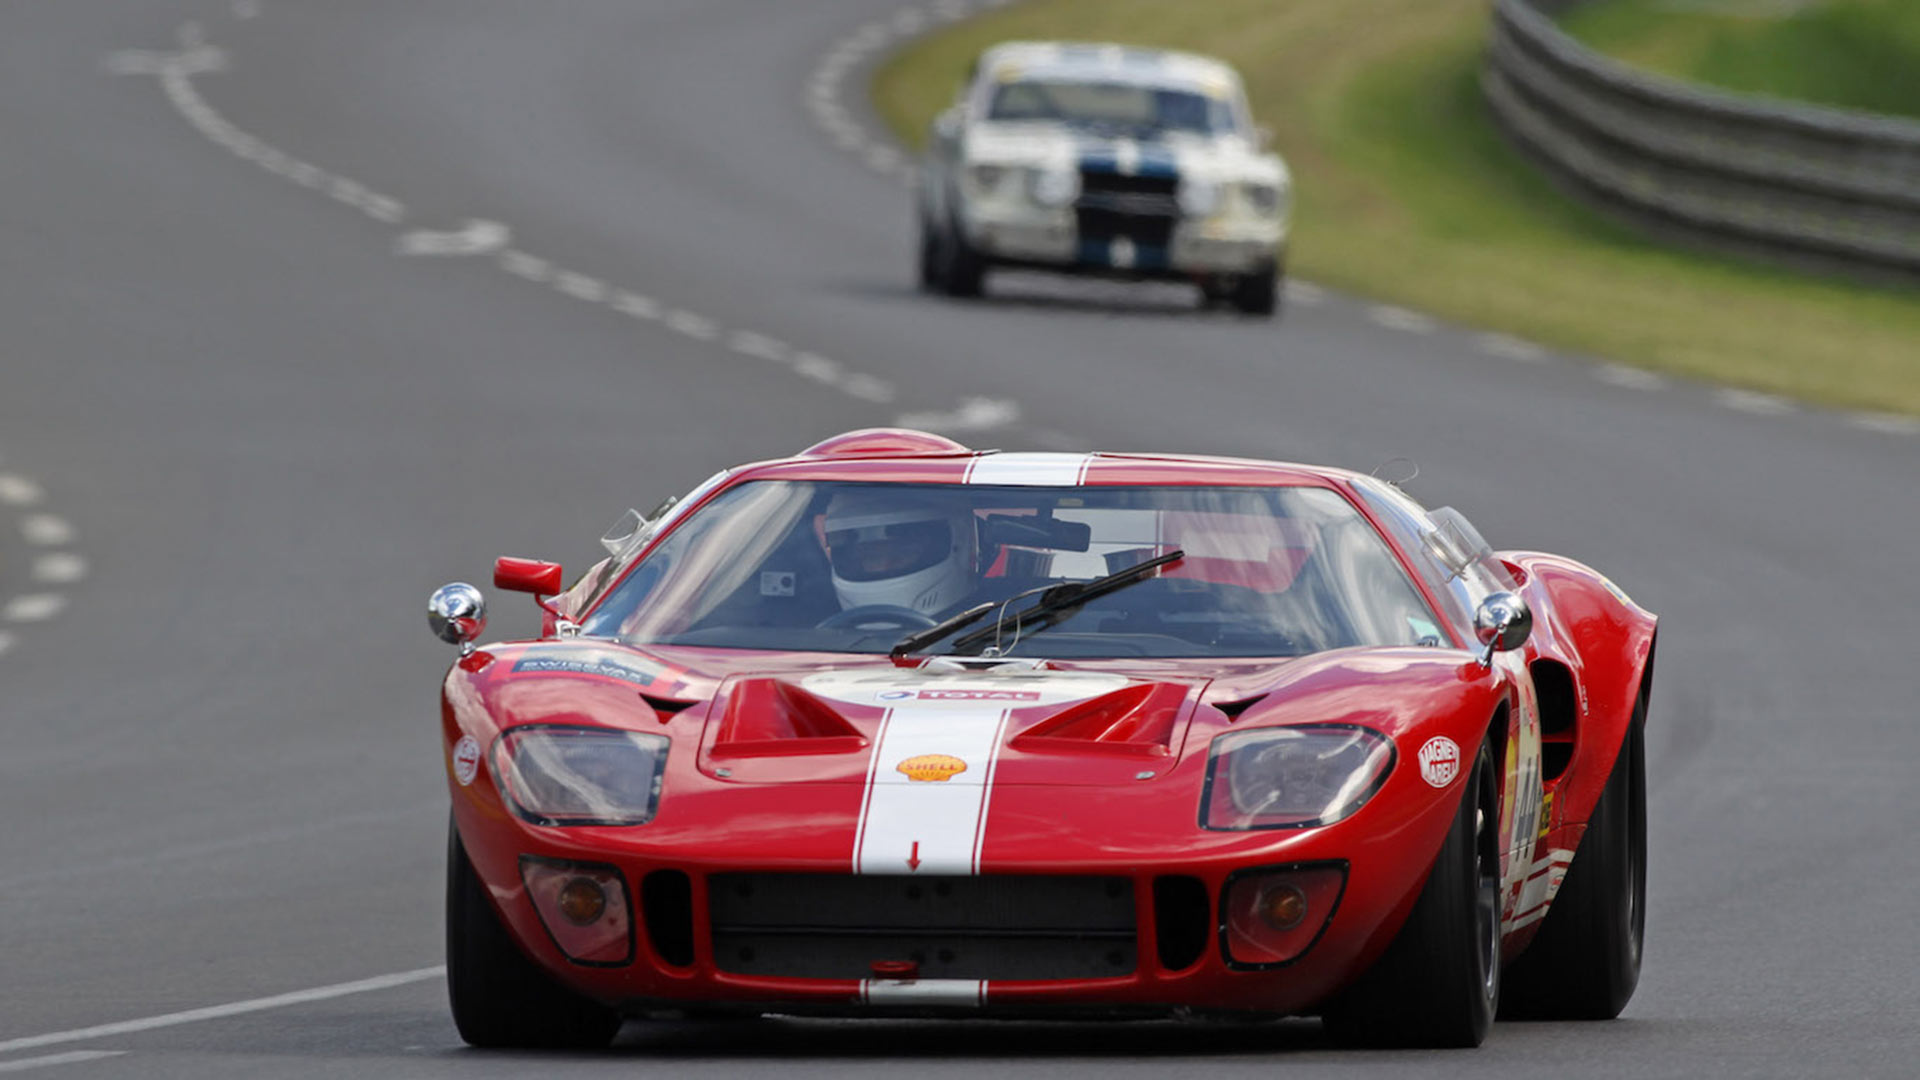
x: 1856, y: 54
x: 1408, y: 194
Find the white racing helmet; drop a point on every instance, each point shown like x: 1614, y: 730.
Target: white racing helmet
x: 901, y: 551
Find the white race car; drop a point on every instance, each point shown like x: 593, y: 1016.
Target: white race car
x: 1104, y: 159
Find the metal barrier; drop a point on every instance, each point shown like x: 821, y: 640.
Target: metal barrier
x: 1746, y: 171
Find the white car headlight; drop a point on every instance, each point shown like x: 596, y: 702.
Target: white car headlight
x: 559, y: 775
x: 1198, y: 197
x: 1293, y: 777
x: 1053, y: 188
x: 1262, y: 198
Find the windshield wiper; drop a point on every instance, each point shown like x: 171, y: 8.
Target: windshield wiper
x: 920, y: 639
x: 1062, y: 602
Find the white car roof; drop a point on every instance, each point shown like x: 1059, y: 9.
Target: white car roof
x: 1106, y: 62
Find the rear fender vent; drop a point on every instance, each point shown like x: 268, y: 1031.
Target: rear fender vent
x: 1182, y: 920
x: 666, y: 905
x: 666, y: 706
x: 1233, y: 709
x: 1559, y: 708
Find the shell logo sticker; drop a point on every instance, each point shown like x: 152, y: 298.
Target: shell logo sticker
x: 466, y: 760
x: 936, y: 767
x: 1439, y: 761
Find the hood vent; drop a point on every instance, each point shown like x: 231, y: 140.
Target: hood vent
x: 766, y: 717
x: 1233, y: 709
x: 666, y: 707
x: 1135, y: 720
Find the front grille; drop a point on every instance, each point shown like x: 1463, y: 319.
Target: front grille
x: 1141, y: 208
x: 823, y: 926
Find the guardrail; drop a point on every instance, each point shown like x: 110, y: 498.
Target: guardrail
x: 1743, y: 171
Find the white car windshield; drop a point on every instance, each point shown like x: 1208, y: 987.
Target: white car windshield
x: 855, y: 567
x: 1121, y: 107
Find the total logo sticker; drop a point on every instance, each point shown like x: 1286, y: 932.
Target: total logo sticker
x: 466, y: 760
x: 1440, y: 761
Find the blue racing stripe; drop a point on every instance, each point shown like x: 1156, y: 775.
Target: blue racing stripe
x: 1157, y: 160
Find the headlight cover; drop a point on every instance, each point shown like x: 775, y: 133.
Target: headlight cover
x: 552, y: 774
x: 1292, y: 777
x: 1053, y: 188
x: 1262, y: 198
x: 986, y: 177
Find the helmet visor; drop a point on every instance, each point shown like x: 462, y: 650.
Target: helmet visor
x: 879, y: 552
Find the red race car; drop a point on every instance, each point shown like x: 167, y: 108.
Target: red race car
x: 894, y: 727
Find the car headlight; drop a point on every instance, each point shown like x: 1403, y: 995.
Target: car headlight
x: 1198, y: 198
x: 1262, y: 198
x: 986, y: 178
x: 1293, y: 777
x: 556, y: 775
x: 1053, y: 188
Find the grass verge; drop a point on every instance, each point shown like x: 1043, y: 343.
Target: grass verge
x: 1853, y: 54
x: 1408, y: 194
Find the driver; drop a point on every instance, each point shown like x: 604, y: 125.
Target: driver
x: 899, y: 552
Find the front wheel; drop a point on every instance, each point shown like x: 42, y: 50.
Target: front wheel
x: 962, y: 271
x: 499, y: 997
x: 1585, y: 961
x: 1438, y: 983
x: 1257, y: 293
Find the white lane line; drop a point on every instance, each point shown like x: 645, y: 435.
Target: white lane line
x: 522, y: 265
x: 216, y: 1012
x: 1629, y: 378
x: 974, y: 414
x: 1398, y: 318
x: 475, y: 236
x: 816, y: 367
x: 46, y: 530
x: 581, y: 286
x: 867, y: 388
x: 1885, y: 423
x: 635, y: 305
x: 6, y: 642
x: 71, y: 1057
x: 1749, y: 401
x: 697, y: 327
x: 1512, y: 348
x: 59, y: 568
x: 19, y: 491
x: 245, y: 9
x: 1303, y: 292
x: 33, y: 607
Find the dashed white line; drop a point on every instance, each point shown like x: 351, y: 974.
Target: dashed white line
x: 522, y: 265
x: 46, y: 530
x: 697, y: 327
x: 634, y: 304
x: 1629, y: 378
x: 868, y: 388
x: 33, y: 607
x: 216, y: 1012
x: 59, y: 568
x: 1885, y: 423
x: 581, y: 286
x: 750, y: 343
x: 6, y: 642
x: 19, y: 491
x: 1749, y: 401
x: 1398, y: 318
x: 974, y: 414
x: 816, y: 367
x: 71, y: 1057
x: 1512, y: 348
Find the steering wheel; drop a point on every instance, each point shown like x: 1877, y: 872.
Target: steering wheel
x: 877, y: 617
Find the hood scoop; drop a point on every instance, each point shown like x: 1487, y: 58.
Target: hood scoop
x: 1137, y: 721
x: 767, y: 717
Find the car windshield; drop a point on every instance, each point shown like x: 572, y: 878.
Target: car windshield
x: 1126, y: 107
x: 851, y: 567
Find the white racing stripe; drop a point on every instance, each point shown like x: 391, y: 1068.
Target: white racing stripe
x: 929, y: 825
x: 960, y: 992
x: 1542, y: 884
x: 1031, y: 469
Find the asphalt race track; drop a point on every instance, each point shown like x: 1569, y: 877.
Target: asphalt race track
x: 264, y: 384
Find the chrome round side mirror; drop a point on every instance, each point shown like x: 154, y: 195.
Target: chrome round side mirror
x: 1502, y: 622
x: 458, y: 614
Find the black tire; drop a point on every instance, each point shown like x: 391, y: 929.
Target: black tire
x: 929, y: 270
x: 1257, y: 293
x: 963, y: 273
x: 499, y: 997
x: 1438, y: 983
x: 1585, y: 962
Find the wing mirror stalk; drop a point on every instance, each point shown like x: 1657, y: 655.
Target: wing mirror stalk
x: 1502, y: 622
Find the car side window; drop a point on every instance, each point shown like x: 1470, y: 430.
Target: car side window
x: 1407, y: 522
